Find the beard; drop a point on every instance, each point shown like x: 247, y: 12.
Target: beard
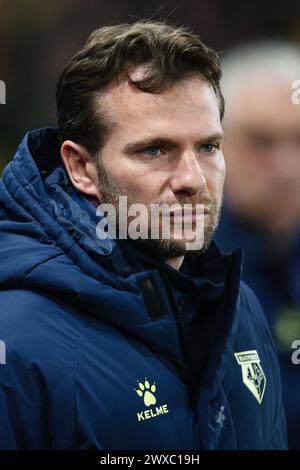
x: 164, y: 248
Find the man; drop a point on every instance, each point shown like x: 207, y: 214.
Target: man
x: 262, y: 194
x: 115, y: 343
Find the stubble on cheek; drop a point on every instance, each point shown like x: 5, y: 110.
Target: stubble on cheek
x: 110, y: 193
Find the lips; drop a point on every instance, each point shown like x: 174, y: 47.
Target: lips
x: 187, y: 215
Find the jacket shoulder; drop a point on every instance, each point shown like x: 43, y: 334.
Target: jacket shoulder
x: 250, y: 304
x: 39, y: 338
x: 36, y: 320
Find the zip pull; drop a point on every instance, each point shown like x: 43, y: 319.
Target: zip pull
x: 151, y: 298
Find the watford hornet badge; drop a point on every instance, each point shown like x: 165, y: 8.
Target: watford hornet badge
x: 252, y: 373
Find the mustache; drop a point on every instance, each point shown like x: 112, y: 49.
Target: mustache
x: 207, y: 202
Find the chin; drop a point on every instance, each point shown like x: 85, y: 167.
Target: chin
x: 171, y: 248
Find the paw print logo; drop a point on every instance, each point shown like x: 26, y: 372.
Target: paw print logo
x: 146, y: 391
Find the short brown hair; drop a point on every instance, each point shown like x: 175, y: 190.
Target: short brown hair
x: 171, y: 52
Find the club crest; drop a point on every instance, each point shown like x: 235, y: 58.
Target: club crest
x: 252, y: 373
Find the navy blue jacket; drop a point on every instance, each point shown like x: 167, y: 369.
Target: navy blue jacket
x: 273, y: 272
x: 106, y: 347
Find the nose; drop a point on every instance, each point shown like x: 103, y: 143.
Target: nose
x: 188, y: 178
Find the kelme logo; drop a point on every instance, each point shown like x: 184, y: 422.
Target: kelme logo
x: 147, y: 392
x: 252, y: 373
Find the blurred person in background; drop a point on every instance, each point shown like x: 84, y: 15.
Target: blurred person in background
x: 130, y: 343
x: 261, y: 212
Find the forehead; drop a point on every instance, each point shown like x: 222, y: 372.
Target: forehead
x: 189, y: 105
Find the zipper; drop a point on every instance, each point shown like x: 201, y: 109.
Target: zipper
x: 189, y: 373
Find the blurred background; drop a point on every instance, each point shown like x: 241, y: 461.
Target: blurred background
x: 262, y: 127
x: 37, y: 38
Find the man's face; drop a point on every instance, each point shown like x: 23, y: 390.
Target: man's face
x: 164, y: 148
x: 262, y: 151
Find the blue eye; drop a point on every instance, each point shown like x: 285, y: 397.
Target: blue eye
x: 208, y: 148
x: 152, y: 151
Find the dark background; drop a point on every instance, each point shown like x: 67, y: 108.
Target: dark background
x: 38, y: 37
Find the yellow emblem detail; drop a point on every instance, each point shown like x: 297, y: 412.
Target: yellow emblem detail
x: 252, y: 373
x: 146, y: 391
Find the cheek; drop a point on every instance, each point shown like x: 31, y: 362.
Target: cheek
x: 216, y: 175
x: 222, y: 169
x: 142, y: 190
x: 140, y: 186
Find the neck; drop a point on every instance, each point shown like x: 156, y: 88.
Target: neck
x: 175, y: 262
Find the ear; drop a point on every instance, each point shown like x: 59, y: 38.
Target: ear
x: 81, y: 168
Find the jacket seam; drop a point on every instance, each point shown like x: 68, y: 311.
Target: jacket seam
x: 39, y: 264
x: 76, y: 353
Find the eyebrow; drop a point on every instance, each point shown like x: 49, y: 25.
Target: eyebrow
x: 132, y: 147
